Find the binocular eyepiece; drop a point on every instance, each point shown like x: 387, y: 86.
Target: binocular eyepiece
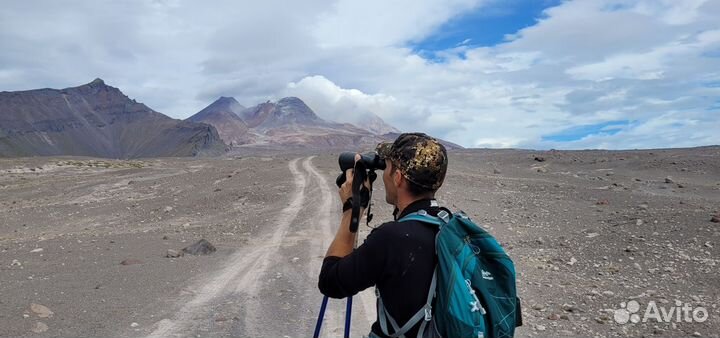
x: 372, y: 161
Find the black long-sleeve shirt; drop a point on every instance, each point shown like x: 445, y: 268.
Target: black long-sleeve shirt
x: 397, y: 257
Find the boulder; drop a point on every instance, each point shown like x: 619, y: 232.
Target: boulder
x: 201, y: 247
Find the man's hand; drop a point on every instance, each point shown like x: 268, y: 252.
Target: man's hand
x: 345, y: 240
x: 345, y: 190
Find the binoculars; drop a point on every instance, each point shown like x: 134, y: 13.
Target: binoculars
x: 372, y: 161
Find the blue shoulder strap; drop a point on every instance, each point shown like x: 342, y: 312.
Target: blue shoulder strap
x: 423, y: 216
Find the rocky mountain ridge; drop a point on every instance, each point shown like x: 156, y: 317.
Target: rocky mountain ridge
x: 291, y: 123
x: 96, y: 120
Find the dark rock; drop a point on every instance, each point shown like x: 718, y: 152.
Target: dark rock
x: 716, y: 218
x: 631, y: 249
x: 201, y: 247
x: 539, y: 159
x: 570, y: 308
x: 131, y: 261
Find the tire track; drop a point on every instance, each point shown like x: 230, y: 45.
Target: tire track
x: 243, y: 270
x: 333, y: 322
x: 367, y: 297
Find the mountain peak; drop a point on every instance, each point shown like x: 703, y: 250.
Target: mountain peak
x: 223, y: 107
x: 226, y: 103
x: 97, y: 82
x: 227, y: 100
x: 293, y: 108
x: 291, y: 100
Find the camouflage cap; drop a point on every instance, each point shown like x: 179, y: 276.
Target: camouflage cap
x: 420, y: 158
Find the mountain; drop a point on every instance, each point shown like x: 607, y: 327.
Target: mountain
x: 287, y: 123
x: 224, y: 115
x: 289, y: 111
x: 96, y: 120
x: 219, y: 108
x: 290, y: 123
x: 254, y: 116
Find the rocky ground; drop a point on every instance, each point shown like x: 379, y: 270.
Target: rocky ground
x: 84, y: 242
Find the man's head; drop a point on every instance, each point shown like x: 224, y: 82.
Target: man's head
x: 415, y: 166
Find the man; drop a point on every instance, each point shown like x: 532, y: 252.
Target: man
x: 397, y: 257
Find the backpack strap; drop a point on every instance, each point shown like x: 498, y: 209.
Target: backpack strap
x: 424, y: 314
x: 422, y: 216
x: 384, y: 317
x: 427, y: 309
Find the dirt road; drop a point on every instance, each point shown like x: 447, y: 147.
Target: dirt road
x: 269, y: 284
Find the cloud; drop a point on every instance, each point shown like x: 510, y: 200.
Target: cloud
x: 583, y: 63
x: 648, y: 65
x: 378, y: 23
x: 331, y: 102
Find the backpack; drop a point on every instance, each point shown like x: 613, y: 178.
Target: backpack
x: 473, y: 287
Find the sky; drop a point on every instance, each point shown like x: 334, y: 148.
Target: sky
x: 481, y: 73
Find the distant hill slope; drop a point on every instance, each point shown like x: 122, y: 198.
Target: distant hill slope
x: 375, y: 124
x: 96, y: 120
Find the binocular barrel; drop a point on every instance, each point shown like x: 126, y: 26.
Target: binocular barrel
x: 372, y: 161
x: 346, y: 161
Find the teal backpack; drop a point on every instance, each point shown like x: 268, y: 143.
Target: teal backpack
x: 473, y: 284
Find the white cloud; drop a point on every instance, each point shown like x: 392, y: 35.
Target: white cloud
x: 333, y: 103
x: 584, y: 62
x: 648, y: 65
x: 671, y: 12
x: 379, y: 23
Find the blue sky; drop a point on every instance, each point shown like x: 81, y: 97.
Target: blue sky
x: 483, y: 26
x: 576, y: 74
